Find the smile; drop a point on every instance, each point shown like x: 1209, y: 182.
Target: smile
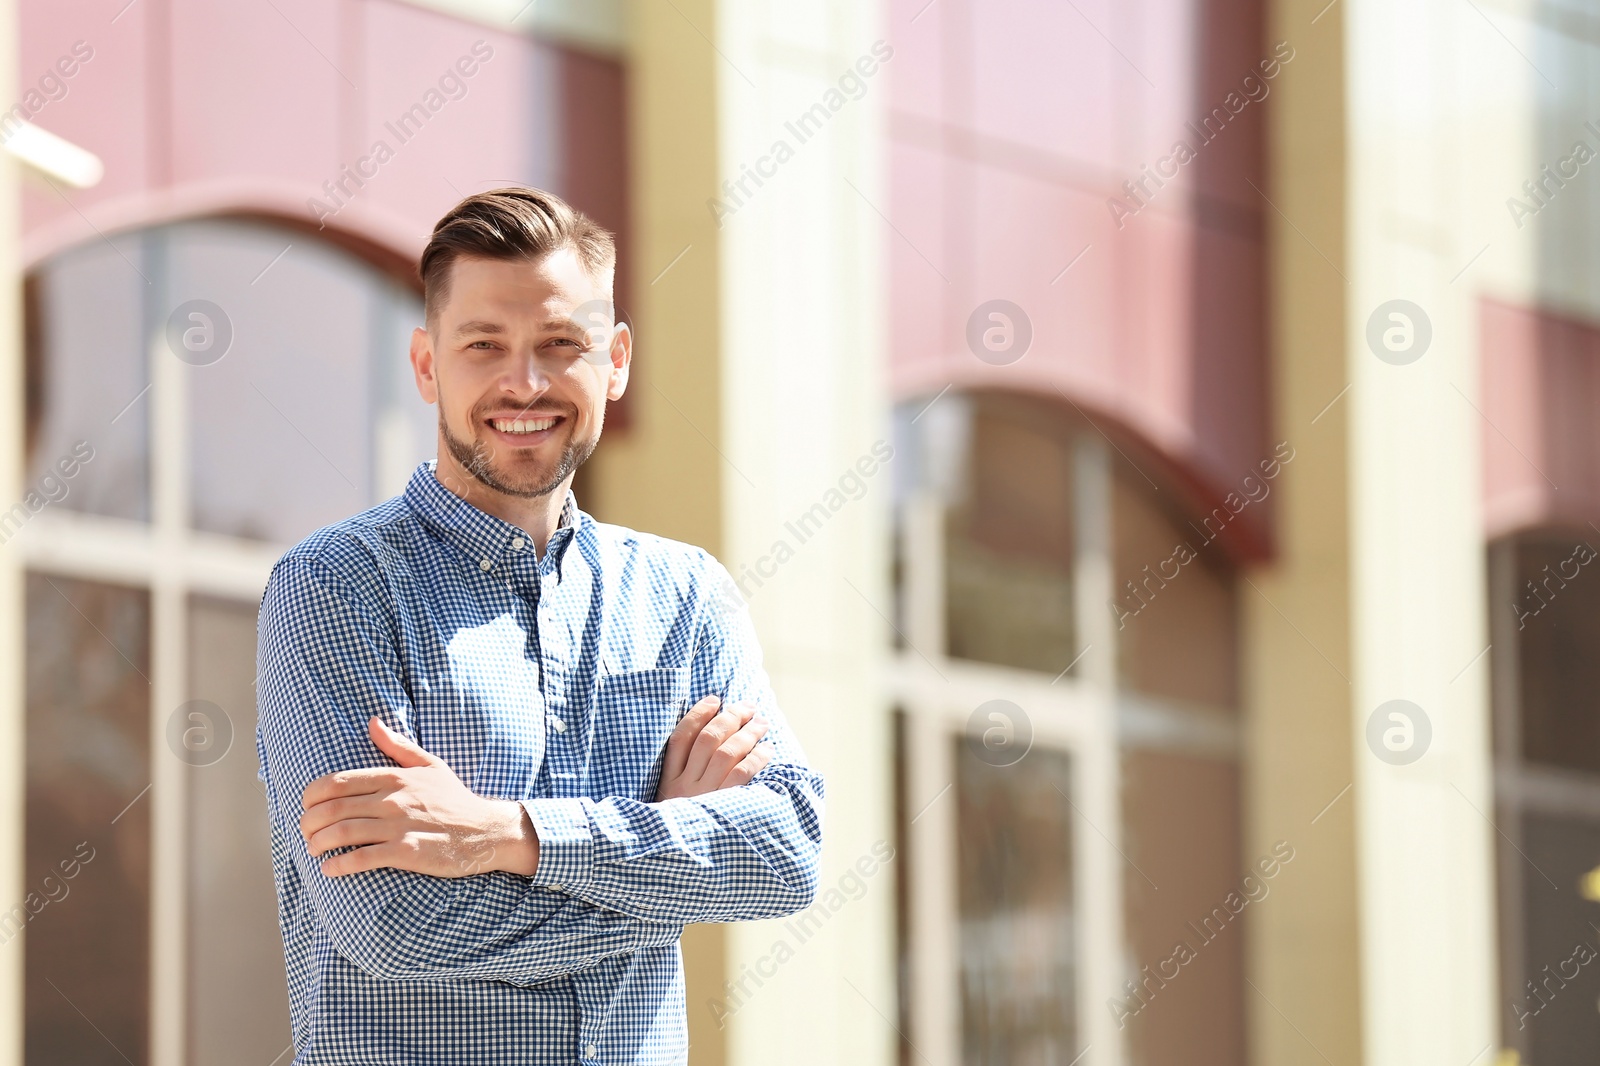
x: 522, y: 425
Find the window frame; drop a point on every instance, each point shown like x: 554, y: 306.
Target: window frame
x: 175, y: 561
x: 1085, y: 713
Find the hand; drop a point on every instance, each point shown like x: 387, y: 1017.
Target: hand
x: 416, y: 816
x: 713, y: 747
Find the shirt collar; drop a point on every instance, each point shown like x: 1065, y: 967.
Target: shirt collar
x: 480, y: 534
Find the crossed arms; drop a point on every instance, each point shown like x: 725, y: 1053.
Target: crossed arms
x: 444, y: 884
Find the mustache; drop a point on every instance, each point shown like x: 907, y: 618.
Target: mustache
x: 531, y: 409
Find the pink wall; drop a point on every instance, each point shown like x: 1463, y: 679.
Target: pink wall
x: 1541, y: 440
x: 1012, y: 123
x: 199, y: 107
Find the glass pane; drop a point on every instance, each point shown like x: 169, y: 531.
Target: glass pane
x: 1015, y: 903
x: 238, y: 1001
x: 1185, y: 883
x: 408, y: 428
x: 88, y: 823
x: 87, y: 369
x: 286, y: 423
x: 1552, y: 1009
x: 1558, y: 610
x: 1175, y: 610
x: 1008, y: 539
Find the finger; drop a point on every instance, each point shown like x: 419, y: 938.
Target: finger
x: 730, y: 751
x: 749, y: 766
x: 348, y: 783
x: 348, y: 832
x: 371, y: 857
x: 326, y: 813
x: 689, y: 726
x: 399, y: 747
x: 727, y: 722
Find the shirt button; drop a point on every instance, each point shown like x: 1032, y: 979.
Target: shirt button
x: 591, y: 1051
x: 484, y: 564
x: 517, y: 543
x: 557, y: 724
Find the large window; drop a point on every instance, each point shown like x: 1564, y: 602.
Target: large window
x: 1544, y: 612
x: 201, y: 396
x: 1067, y: 747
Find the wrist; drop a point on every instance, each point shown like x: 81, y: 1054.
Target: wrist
x: 518, y: 850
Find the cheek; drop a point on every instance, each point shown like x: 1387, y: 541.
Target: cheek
x: 460, y: 387
x: 589, y: 394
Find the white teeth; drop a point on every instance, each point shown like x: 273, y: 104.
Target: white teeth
x: 531, y: 425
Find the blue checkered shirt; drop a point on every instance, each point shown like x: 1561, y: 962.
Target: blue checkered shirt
x: 553, y: 681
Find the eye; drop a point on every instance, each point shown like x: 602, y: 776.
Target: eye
x: 475, y: 344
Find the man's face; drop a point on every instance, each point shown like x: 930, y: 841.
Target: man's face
x: 521, y: 367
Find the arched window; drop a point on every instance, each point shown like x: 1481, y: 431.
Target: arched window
x: 1067, y: 751
x: 200, y: 396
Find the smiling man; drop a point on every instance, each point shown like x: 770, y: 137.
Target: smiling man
x: 493, y: 810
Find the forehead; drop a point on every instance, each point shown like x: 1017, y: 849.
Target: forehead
x: 507, y: 288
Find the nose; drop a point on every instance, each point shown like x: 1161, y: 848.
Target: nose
x: 525, y: 376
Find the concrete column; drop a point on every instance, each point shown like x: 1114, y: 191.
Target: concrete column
x: 1424, y: 838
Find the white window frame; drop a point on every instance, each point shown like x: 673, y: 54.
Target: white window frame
x: 1085, y: 715
x: 173, y: 561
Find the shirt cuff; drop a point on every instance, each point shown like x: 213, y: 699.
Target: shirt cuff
x: 566, y: 847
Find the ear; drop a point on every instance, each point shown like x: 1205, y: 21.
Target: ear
x: 621, y: 360
x: 422, y: 365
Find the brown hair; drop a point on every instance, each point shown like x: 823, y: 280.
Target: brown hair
x: 514, y: 222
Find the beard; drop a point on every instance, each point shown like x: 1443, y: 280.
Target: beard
x: 478, y: 460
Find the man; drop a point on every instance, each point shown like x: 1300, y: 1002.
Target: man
x: 491, y: 817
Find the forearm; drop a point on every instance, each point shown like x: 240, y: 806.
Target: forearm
x: 737, y: 854
x: 403, y: 926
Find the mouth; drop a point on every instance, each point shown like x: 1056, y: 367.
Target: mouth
x: 524, y: 431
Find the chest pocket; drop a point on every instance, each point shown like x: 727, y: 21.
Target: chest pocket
x: 634, y: 713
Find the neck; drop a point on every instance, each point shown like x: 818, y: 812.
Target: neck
x: 537, y: 516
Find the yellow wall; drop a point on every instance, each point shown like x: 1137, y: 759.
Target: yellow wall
x: 1303, y: 949
x: 663, y: 475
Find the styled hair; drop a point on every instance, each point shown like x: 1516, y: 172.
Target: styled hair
x: 511, y: 223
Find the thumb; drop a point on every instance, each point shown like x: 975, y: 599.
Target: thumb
x: 397, y: 746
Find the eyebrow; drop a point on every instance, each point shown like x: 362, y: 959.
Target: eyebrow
x: 554, y: 325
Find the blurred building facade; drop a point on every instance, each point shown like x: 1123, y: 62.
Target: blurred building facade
x: 1152, y: 439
